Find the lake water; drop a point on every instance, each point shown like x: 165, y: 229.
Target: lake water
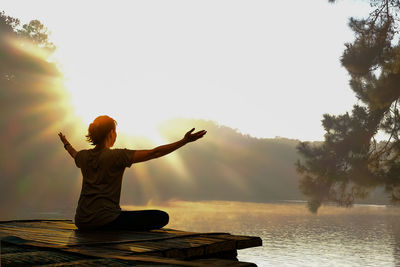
x: 364, y: 235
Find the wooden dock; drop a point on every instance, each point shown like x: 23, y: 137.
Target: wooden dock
x: 59, y: 243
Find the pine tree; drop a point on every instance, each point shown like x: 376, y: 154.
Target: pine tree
x: 351, y: 162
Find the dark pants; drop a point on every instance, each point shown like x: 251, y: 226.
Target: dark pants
x: 139, y: 220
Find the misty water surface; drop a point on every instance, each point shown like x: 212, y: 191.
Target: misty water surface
x: 365, y: 235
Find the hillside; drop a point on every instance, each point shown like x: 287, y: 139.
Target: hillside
x: 225, y: 165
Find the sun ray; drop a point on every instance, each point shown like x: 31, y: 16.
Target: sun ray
x: 233, y: 177
x: 175, y: 161
x: 29, y: 48
x: 145, y: 181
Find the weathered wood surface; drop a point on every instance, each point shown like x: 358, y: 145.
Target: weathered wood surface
x: 59, y: 243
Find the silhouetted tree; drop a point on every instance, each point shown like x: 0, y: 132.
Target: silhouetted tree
x: 24, y: 50
x: 350, y: 162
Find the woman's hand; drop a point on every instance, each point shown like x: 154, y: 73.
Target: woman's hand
x: 67, y: 145
x: 191, y: 137
x: 62, y: 138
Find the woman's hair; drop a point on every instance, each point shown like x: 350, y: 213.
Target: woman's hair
x: 99, y: 129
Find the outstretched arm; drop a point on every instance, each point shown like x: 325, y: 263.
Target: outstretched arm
x: 67, y: 145
x: 144, y: 155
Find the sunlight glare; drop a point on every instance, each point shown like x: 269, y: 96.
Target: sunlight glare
x: 29, y: 48
x: 145, y: 182
x: 134, y: 117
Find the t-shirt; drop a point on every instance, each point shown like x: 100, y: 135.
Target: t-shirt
x: 102, y: 172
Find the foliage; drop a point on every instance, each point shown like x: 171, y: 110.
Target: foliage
x: 350, y: 162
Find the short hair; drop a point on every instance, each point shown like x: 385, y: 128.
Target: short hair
x: 99, y: 129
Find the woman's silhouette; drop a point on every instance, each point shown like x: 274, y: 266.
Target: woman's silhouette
x: 102, y: 169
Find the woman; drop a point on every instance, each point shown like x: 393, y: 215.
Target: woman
x: 102, y: 169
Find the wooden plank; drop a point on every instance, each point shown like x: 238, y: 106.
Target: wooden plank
x: 242, y: 242
x: 60, y: 258
x: 94, y: 263
x: 51, y: 237
x: 145, y: 259
x: 107, y: 237
x: 218, y: 247
x: 97, y: 250
x: 37, y: 258
x: 119, y: 237
x: 170, y: 248
x: 69, y: 225
x: 36, y: 220
x: 63, y: 225
x: 59, y: 237
x: 204, y: 244
x: 20, y: 241
x: 10, y: 248
x: 72, y: 254
x: 186, y: 254
x: 179, y: 247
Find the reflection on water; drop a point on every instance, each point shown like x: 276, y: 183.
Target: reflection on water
x: 364, y: 235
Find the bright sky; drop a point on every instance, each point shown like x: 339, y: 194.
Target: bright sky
x: 266, y: 68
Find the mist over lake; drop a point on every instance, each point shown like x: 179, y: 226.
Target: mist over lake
x: 364, y: 235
